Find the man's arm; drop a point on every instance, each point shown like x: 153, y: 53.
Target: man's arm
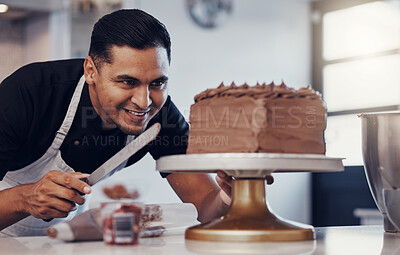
x: 200, y: 190
x: 11, y: 208
x: 53, y: 196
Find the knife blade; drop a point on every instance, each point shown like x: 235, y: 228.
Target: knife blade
x: 125, y: 153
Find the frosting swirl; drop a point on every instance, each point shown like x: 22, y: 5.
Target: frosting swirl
x: 258, y: 91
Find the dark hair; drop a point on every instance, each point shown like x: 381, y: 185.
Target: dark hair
x: 128, y: 27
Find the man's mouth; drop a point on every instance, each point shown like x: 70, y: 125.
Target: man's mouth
x: 136, y: 113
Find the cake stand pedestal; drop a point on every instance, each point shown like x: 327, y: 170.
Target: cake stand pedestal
x: 249, y: 218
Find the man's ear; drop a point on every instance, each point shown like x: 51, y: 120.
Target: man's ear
x: 90, y: 70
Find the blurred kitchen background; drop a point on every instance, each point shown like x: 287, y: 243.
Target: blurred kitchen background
x: 347, y: 49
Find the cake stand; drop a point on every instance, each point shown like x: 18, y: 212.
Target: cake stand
x: 249, y: 218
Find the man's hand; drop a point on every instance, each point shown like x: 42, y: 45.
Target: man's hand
x: 225, y: 182
x: 55, y: 195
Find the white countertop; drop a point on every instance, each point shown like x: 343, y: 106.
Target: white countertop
x: 330, y: 240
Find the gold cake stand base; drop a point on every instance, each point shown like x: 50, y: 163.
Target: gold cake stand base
x: 249, y: 219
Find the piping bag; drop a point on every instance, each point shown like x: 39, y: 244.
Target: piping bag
x: 156, y: 220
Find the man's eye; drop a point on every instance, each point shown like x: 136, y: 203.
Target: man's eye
x: 159, y: 84
x: 128, y: 82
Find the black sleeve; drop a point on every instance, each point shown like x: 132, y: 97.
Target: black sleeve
x: 173, y: 136
x: 14, y: 122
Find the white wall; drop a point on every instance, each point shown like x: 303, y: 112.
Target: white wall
x: 11, y: 47
x: 264, y: 40
x: 60, y: 33
x: 37, y: 39
x: 23, y: 42
x: 48, y: 37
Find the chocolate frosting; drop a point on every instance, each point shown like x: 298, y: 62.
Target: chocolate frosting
x: 258, y: 91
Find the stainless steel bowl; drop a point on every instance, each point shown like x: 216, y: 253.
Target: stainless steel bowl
x: 381, y: 153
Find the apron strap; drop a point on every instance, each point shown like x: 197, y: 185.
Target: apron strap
x: 69, y: 117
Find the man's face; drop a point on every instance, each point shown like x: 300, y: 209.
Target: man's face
x: 128, y: 92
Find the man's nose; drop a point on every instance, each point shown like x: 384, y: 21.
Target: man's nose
x: 141, y: 97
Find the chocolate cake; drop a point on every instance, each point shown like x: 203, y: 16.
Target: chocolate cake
x: 260, y: 118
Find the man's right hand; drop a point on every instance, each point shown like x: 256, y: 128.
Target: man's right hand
x: 55, y: 195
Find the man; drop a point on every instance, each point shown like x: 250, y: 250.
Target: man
x: 61, y: 120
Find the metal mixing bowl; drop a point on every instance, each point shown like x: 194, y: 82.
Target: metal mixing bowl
x: 381, y: 153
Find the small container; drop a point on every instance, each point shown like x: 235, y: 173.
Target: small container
x: 121, y: 222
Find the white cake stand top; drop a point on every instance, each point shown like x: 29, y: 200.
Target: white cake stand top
x: 248, y: 165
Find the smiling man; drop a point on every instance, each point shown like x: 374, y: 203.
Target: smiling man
x: 53, y: 116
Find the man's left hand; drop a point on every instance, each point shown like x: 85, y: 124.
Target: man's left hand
x: 225, y: 182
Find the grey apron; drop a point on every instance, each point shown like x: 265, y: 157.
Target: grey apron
x: 51, y: 160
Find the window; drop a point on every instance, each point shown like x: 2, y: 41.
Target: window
x: 356, y: 66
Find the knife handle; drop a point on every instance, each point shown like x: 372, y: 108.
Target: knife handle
x: 80, y: 193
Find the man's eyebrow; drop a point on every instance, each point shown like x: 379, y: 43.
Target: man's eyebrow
x: 161, y: 78
x: 126, y: 77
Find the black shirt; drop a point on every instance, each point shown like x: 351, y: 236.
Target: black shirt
x: 33, y: 104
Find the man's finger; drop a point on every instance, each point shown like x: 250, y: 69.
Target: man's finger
x: 68, y: 194
x: 71, y: 180
x: 63, y: 205
x: 222, y: 181
x: 224, y: 177
x: 225, y: 187
x: 221, y: 174
x: 53, y: 213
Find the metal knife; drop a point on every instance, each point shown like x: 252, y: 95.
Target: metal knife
x: 124, y: 154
